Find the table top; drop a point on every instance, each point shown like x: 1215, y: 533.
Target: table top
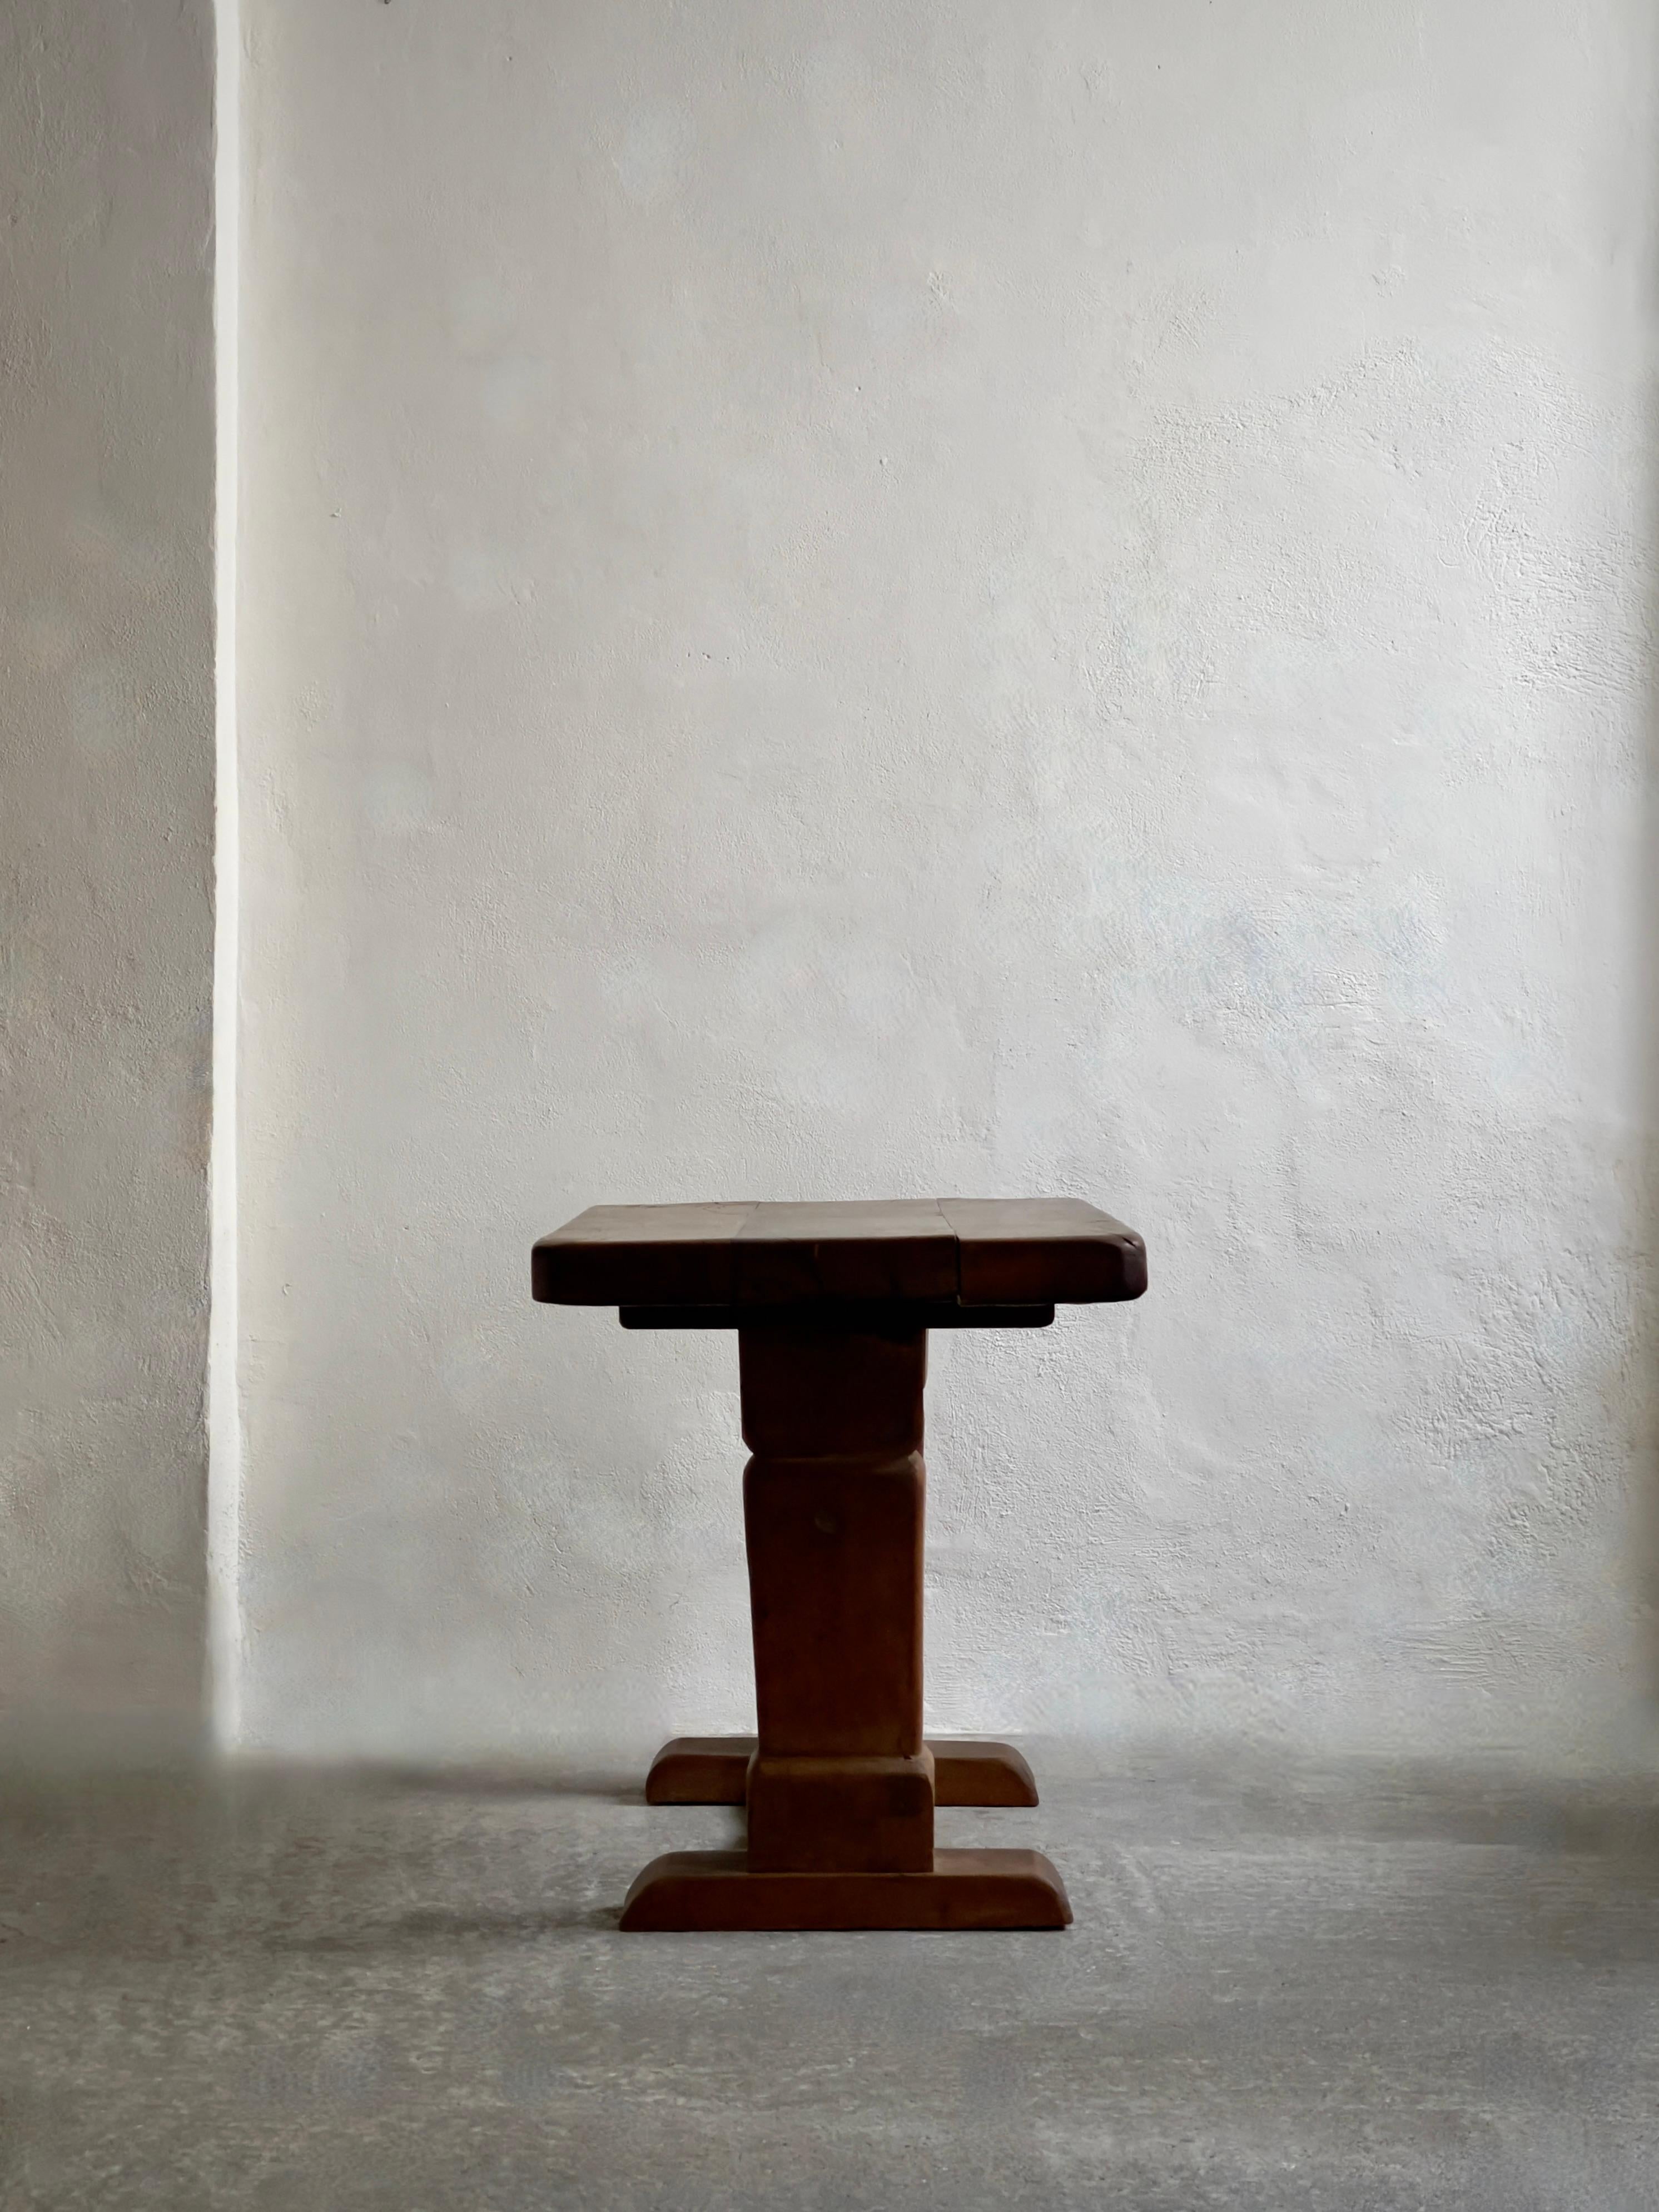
x: 962, y: 1253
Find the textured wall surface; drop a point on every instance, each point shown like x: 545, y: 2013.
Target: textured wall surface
x: 956, y: 598
x: 105, y: 855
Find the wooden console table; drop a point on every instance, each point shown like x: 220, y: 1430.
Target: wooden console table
x: 832, y: 1304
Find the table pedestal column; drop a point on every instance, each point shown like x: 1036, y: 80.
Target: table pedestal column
x: 841, y: 1786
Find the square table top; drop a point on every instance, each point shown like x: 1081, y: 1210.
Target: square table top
x: 961, y: 1252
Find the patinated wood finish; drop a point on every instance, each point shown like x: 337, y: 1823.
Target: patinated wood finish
x: 956, y: 1251
x: 831, y: 1304
x: 714, y: 1769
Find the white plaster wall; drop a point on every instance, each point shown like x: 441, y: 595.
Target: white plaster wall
x: 861, y: 600
x: 106, y: 862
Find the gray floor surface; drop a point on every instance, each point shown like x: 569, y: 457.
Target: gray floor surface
x: 1287, y: 1989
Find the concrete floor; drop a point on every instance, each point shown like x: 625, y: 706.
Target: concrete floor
x: 1310, y: 1989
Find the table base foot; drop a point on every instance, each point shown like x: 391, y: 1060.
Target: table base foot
x: 701, y: 1769
x: 716, y: 1891
x: 711, y: 1770
x: 972, y: 1770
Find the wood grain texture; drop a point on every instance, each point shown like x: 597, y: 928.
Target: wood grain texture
x: 810, y: 1393
x: 841, y: 1815
x: 833, y: 1502
x: 897, y: 1248
x: 714, y: 1769
x: 1031, y: 1248
x: 835, y: 1592
x: 716, y: 1890
x: 1020, y: 1254
x: 617, y: 1255
x: 701, y: 1769
x: 973, y: 1771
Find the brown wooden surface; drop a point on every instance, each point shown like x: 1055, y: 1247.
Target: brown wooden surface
x: 833, y: 1501
x: 841, y: 1815
x: 897, y: 1248
x: 717, y: 1890
x: 620, y: 1254
x: 1014, y: 1249
x: 714, y: 1769
x: 970, y: 1771
x: 971, y: 1252
x: 866, y: 1317
x: 701, y: 1769
x: 811, y: 1394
